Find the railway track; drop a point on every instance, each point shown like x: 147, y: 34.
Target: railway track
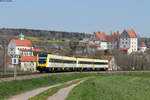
x: 4, y: 78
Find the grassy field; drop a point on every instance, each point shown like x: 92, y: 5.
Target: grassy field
x: 10, y: 73
x: 12, y: 88
x: 129, y: 86
x: 41, y: 40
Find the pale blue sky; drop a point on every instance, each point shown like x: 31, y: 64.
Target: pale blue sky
x: 77, y: 15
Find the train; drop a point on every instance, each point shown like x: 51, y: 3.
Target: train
x: 47, y: 62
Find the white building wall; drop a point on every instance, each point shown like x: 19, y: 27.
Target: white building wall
x: 103, y: 46
x: 124, y: 43
x: 13, y: 49
x: 142, y: 49
x: 22, y: 47
x: 112, y: 45
x: 24, y: 53
x: 133, y: 44
x: 28, y: 66
x: 127, y: 42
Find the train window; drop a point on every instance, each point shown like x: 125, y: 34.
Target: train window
x: 43, y: 54
x: 84, y: 62
x: 42, y: 58
x: 62, y: 61
x: 42, y: 61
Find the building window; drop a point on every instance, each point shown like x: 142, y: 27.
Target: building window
x: 11, y: 49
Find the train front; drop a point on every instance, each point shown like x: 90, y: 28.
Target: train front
x: 41, y: 62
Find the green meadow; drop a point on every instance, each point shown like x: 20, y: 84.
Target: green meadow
x: 8, y: 89
x: 116, y: 86
x: 127, y: 86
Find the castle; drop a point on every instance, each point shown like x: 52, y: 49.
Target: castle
x: 126, y: 41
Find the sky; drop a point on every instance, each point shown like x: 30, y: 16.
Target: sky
x: 77, y: 15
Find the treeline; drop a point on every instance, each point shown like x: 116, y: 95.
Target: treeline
x: 134, y: 61
x: 49, y: 35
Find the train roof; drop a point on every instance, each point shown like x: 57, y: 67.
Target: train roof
x: 87, y: 59
x: 73, y: 58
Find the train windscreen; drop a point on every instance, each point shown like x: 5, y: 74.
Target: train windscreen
x: 42, y: 58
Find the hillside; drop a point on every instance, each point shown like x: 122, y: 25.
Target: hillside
x: 44, y: 34
x: 42, y: 38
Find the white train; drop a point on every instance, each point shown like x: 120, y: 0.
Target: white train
x: 51, y: 63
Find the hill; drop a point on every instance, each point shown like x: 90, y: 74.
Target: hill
x: 44, y: 34
x: 42, y: 38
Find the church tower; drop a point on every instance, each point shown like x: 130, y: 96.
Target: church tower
x: 21, y: 36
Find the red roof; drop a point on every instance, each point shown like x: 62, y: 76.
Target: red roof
x: 26, y: 43
x: 114, y: 36
x: 37, y: 50
x: 103, y: 37
x: 94, y: 45
x: 123, y: 48
x: 142, y: 44
x: 131, y: 33
x: 28, y: 58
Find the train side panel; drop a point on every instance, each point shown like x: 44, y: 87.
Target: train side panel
x: 51, y: 62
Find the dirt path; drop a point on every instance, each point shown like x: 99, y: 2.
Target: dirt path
x: 63, y: 93
x: 27, y: 95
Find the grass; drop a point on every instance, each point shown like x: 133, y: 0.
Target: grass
x: 127, y: 86
x: 44, y: 95
x: 41, y: 40
x: 8, y: 89
x: 10, y: 73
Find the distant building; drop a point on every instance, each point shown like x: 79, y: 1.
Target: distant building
x: 106, y: 42
x: 113, y: 40
x: 129, y: 41
x: 126, y: 41
x: 92, y: 48
x: 20, y: 47
x: 102, y: 40
x: 142, y: 47
x: 86, y: 48
x: 27, y: 63
x: 99, y: 38
x: 25, y: 50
